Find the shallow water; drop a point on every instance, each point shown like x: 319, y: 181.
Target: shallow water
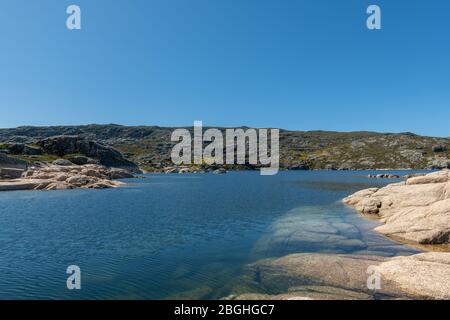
x: 177, y: 236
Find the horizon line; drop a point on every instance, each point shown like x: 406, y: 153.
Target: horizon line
x: 222, y: 127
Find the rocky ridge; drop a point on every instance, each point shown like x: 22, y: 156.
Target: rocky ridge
x: 150, y: 147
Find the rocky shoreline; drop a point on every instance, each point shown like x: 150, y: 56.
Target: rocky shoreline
x: 64, y: 177
x: 415, y: 212
x: 61, y: 163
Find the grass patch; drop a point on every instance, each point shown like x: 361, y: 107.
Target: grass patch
x: 40, y: 158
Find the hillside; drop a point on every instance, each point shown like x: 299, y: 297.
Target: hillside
x: 150, y: 146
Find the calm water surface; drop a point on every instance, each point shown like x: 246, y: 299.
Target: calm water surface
x: 176, y: 236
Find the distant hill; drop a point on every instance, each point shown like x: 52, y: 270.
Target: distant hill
x: 150, y: 146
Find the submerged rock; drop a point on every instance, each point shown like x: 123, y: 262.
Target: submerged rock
x: 308, y: 276
x: 417, y: 210
x: 312, y: 229
x: 310, y: 269
x: 307, y: 293
x: 325, y: 276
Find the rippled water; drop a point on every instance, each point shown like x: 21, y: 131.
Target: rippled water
x: 176, y: 236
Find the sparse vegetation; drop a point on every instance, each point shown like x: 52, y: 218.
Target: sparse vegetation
x: 39, y: 158
x: 150, y: 147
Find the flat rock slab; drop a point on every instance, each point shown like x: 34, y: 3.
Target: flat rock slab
x: 313, y: 276
x: 308, y: 293
x: 424, y: 275
x: 331, y: 276
x: 17, y: 185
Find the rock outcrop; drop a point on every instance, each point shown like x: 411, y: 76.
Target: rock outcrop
x: 55, y: 177
x: 21, y: 148
x: 417, y: 210
x: 9, y: 162
x: 63, y: 162
x: 424, y: 275
x: 11, y: 168
x: 82, y: 160
x: 308, y: 276
x: 10, y: 173
x: 439, y: 163
x: 69, y: 145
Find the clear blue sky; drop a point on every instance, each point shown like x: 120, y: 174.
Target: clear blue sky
x: 295, y: 64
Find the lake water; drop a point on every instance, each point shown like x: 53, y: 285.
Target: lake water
x: 176, y: 236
